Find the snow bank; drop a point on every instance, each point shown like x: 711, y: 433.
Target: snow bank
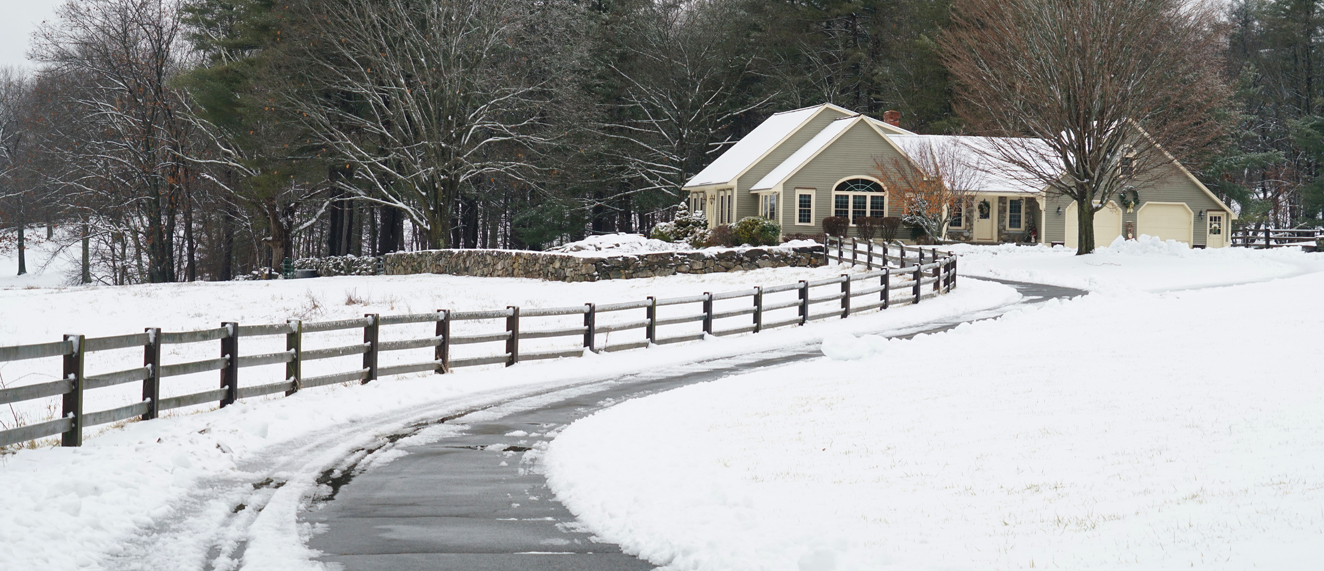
x: 619, y: 244
x: 625, y: 244
x: 1108, y: 432
x: 1145, y: 264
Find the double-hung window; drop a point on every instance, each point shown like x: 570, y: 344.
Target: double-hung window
x: 1015, y: 214
x: 768, y: 206
x: 804, y: 206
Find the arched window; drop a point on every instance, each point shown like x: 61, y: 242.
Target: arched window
x: 859, y: 197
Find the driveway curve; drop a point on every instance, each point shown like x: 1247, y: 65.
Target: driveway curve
x: 475, y: 500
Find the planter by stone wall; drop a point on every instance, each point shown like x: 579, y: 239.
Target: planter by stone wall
x: 568, y: 268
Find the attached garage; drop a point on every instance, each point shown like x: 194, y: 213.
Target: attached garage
x: 1165, y: 220
x: 1107, y: 225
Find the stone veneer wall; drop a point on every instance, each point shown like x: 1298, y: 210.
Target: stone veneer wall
x: 567, y: 268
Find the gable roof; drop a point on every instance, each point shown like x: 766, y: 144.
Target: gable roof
x: 807, y: 152
x: 754, y: 146
x: 770, y: 134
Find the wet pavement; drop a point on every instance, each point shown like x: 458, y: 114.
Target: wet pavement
x: 472, y: 501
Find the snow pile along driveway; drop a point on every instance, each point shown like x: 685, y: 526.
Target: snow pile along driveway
x: 1134, y: 431
x: 1146, y: 264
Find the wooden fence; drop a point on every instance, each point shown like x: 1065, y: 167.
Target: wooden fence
x: 1276, y: 237
x: 898, y: 276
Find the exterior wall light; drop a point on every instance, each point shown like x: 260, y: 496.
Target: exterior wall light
x: 1059, y: 211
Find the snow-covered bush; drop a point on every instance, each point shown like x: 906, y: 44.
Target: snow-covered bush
x: 688, y: 227
x: 757, y: 231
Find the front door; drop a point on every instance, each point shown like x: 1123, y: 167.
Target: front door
x: 986, y: 228
x: 1216, y: 231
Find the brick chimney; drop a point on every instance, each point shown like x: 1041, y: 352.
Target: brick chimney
x: 892, y: 118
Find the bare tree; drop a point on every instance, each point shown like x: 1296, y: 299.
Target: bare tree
x: 121, y: 153
x: 418, y: 98
x: 1113, y: 90
x: 14, y: 198
x: 937, y: 176
x: 685, y: 78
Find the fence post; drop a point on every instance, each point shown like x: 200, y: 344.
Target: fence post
x: 650, y: 313
x: 758, y: 309
x: 921, y: 254
x: 443, y: 354
x: 854, y: 248
x: 827, y: 243
x: 918, y: 276
x: 591, y: 327
x: 884, y: 254
x: 937, y: 278
x: 840, y: 241
x: 73, y: 400
x: 708, y: 313
x: 371, y: 334
x: 512, y: 342
x: 845, y: 296
x: 294, y: 367
x: 230, y: 373
x: 804, y: 302
x: 887, y: 283
x: 1266, y: 237
x: 152, y: 384
x: 869, y: 247
x: 954, y: 273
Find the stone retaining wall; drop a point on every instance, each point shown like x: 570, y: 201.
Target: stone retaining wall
x: 567, y: 268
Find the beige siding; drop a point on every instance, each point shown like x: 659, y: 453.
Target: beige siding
x: 852, y: 154
x: 746, y: 203
x: 1173, y: 187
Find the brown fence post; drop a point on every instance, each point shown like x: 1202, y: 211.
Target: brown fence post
x: 954, y: 273
x: 73, y: 400
x: 869, y: 246
x: 937, y: 278
x: 884, y: 254
x: 512, y: 342
x: 918, y: 276
x: 839, y: 244
x: 920, y: 251
x: 758, y: 309
x: 1266, y: 237
x: 230, y: 372
x: 804, y: 302
x: 371, y: 335
x: 708, y: 313
x: 591, y: 327
x: 854, y: 247
x: 887, y: 283
x: 650, y: 313
x: 827, y: 243
x: 845, y: 296
x: 443, y: 354
x: 152, y: 384
x: 294, y: 344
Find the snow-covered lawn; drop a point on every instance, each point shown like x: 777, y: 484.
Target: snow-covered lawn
x: 35, y: 309
x: 1123, y: 430
x: 1147, y: 264
x: 184, y: 476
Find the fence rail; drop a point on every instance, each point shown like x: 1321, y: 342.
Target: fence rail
x: 1276, y: 237
x: 896, y: 275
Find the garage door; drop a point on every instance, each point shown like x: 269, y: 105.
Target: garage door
x: 1107, y: 225
x: 1166, y: 221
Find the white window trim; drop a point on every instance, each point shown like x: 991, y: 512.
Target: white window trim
x: 762, y: 204
x: 811, y: 192
x: 964, y: 216
x: 1022, y: 225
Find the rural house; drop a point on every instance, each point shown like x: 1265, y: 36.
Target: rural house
x: 799, y: 167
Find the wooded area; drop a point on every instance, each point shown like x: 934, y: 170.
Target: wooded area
x: 207, y: 139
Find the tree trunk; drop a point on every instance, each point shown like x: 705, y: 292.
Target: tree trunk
x: 1085, y: 227
x: 22, y: 261
x: 87, y: 258
x: 227, y: 248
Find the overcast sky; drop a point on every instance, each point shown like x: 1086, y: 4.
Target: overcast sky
x: 18, y: 19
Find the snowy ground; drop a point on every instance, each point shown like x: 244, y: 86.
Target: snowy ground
x: 181, y: 479
x: 1120, y: 430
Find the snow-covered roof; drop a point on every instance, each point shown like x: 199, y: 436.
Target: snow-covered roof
x: 988, y: 174
x: 803, y: 154
x: 753, y: 146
